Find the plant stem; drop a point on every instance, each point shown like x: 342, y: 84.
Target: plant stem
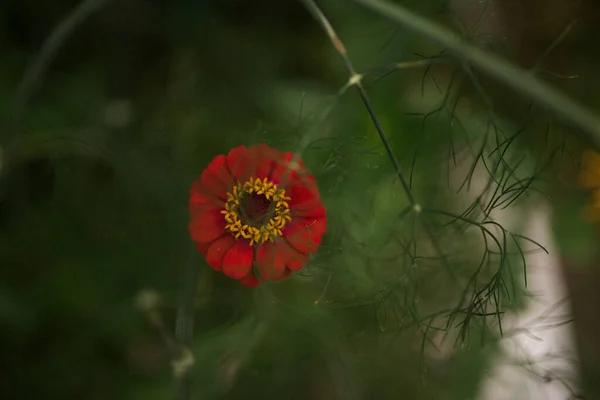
x: 355, y: 79
x: 521, y: 80
x: 184, y: 328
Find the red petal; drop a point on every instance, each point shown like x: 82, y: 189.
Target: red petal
x: 305, y: 235
x: 286, y: 169
x: 286, y: 273
x: 310, y: 214
x: 207, y: 226
x: 237, y: 263
x: 200, y: 200
x: 305, y: 201
x: 218, y: 249
x: 202, y: 248
x: 266, y: 158
x: 250, y: 280
x: 216, y: 179
x: 240, y: 163
x: 272, y: 258
x: 297, y: 264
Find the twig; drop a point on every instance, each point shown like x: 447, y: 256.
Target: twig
x: 355, y: 79
x: 566, y: 30
x: 519, y: 79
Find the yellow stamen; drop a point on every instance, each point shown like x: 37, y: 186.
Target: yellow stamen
x: 270, y: 229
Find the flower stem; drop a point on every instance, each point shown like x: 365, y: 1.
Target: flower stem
x: 184, y: 328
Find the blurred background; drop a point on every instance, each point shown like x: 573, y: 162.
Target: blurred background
x: 110, y: 110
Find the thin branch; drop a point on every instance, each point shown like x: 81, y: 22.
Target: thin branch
x: 355, y: 79
x: 566, y: 30
x: 521, y: 80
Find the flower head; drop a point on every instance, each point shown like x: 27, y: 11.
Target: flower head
x: 256, y: 213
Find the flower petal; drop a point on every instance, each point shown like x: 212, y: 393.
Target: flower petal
x: 207, y: 226
x: 286, y: 273
x: 298, y: 263
x: 215, y: 179
x: 276, y: 261
x: 239, y: 162
x: 237, y: 263
x: 305, y: 201
x: 272, y: 258
x: 218, y: 249
x: 286, y: 169
x: 266, y: 156
x: 250, y: 280
x: 202, y: 248
x: 201, y: 200
x: 305, y: 235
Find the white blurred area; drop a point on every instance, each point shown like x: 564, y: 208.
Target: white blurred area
x: 539, y: 355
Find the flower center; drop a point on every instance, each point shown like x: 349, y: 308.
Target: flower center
x: 256, y: 210
x: 255, y: 207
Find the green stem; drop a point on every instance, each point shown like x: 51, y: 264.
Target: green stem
x: 521, y: 80
x: 184, y: 324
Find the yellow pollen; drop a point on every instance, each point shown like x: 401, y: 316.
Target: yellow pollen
x: 267, y: 231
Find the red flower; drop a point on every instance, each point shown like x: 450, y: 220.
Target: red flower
x: 256, y: 213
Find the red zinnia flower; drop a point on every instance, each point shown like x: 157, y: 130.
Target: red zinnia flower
x: 256, y: 213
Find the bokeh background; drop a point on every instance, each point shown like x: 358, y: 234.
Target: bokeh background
x: 100, y: 145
